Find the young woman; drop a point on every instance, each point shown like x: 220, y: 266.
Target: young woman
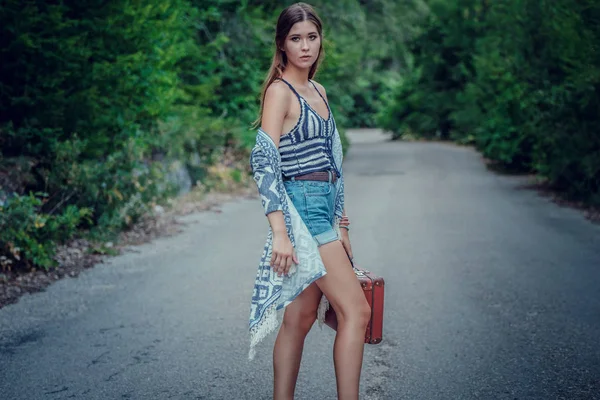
x: 303, y: 177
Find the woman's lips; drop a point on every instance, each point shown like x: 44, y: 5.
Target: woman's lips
x: 305, y: 57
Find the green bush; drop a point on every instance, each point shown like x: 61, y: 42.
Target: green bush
x: 519, y: 79
x: 28, y: 236
x: 99, y: 99
x: 92, y: 98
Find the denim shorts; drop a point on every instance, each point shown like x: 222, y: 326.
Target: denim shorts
x: 315, y: 202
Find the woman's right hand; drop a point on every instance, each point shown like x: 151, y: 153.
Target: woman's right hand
x: 283, y: 254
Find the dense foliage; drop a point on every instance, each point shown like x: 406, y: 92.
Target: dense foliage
x: 99, y: 99
x: 518, y: 78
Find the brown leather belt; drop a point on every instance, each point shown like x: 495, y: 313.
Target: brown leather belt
x: 315, y: 176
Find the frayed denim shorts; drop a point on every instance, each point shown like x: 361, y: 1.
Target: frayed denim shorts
x: 315, y: 202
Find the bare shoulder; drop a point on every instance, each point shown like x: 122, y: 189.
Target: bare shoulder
x: 275, y: 109
x: 278, y: 90
x: 321, y: 89
x: 276, y: 93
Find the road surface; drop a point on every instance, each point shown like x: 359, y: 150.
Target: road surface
x: 492, y: 292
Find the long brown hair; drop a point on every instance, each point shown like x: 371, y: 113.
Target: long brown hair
x: 295, y: 13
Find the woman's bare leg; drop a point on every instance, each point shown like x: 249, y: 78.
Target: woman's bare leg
x: 344, y: 293
x: 298, y: 318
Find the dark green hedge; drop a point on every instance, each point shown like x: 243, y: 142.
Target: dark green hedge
x: 99, y: 98
x: 87, y: 90
x: 520, y: 79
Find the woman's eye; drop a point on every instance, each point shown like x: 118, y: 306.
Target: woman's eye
x: 313, y: 38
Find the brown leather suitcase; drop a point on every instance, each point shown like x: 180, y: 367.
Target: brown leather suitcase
x: 373, y: 288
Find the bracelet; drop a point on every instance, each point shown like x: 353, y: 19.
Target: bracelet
x: 345, y: 227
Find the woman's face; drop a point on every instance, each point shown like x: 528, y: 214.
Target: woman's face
x: 302, y: 44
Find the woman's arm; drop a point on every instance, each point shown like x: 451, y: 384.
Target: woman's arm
x: 275, y: 108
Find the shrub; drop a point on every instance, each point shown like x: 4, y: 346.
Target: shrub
x: 29, y: 236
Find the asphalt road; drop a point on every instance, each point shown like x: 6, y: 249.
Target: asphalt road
x: 492, y: 292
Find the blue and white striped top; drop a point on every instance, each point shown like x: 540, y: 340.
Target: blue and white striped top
x: 306, y: 147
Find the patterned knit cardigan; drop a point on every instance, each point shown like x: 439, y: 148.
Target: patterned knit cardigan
x: 271, y: 292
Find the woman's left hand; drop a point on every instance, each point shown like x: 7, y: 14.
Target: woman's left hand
x: 346, y: 242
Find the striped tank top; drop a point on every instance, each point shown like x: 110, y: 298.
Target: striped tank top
x: 308, y: 146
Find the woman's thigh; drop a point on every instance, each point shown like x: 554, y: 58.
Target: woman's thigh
x: 304, y: 307
x: 340, y: 285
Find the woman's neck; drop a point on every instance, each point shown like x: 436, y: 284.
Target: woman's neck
x: 297, y: 77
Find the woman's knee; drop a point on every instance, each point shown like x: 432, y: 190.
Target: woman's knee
x: 299, y: 320
x: 359, y: 315
x: 365, y: 314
